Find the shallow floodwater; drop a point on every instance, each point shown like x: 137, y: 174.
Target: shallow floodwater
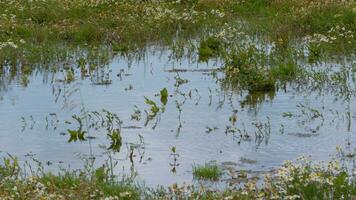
x: 33, y: 120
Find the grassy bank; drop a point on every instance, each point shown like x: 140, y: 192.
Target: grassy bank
x: 130, y: 24
x: 294, y: 180
x: 146, y: 21
x: 54, y: 33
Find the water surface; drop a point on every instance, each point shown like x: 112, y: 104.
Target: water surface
x: 33, y: 119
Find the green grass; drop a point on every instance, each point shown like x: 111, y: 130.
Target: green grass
x: 301, y: 179
x: 96, y: 22
x: 38, y: 33
x: 206, y: 172
x: 285, y: 71
x: 211, y: 47
x: 246, y: 69
x: 66, y: 184
x: 283, y: 15
x: 138, y: 23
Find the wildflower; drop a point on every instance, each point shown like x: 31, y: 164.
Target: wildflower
x: 292, y: 197
x: 125, y: 194
x: 329, y: 181
x: 32, y: 179
x: 315, y: 177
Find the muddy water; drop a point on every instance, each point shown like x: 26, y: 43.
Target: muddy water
x: 33, y: 120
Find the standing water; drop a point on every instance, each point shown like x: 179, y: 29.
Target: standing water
x: 203, y: 119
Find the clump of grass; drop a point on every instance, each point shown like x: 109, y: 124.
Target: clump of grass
x: 209, y: 48
x: 87, y: 33
x: 121, y: 47
x: 285, y: 71
x: 256, y: 71
x: 246, y: 68
x: 207, y: 172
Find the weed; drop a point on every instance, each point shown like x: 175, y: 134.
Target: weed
x: 78, y: 134
x: 245, y: 68
x: 285, y: 71
x: 207, y: 172
x: 209, y: 48
x: 115, y: 139
x: 174, y: 156
x: 164, y: 96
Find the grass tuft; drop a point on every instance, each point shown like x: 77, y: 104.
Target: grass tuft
x: 206, y: 172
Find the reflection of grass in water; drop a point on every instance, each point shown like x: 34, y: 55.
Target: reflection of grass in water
x: 254, y: 98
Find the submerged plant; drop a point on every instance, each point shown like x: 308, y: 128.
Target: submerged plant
x: 69, y: 76
x: 115, y: 140
x: 136, y: 115
x: 78, y: 134
x: 154, y: 108
x: 164, y: 96
x: 175, y: 156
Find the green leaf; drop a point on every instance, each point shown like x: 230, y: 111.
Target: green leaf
x: 73, y: 135
x: 76, y: 135
x: 115, y: 138
x: 149, y: 102
x: 154, y: 107
x: 164, y: 96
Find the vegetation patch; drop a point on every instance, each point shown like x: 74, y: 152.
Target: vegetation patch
x: 208, y: 48
x: 207, y: 172
x: 245, y: 68
x: 301, y: 179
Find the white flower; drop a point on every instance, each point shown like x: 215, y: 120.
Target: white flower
x: 292, y: 197
x: 124, y: 194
